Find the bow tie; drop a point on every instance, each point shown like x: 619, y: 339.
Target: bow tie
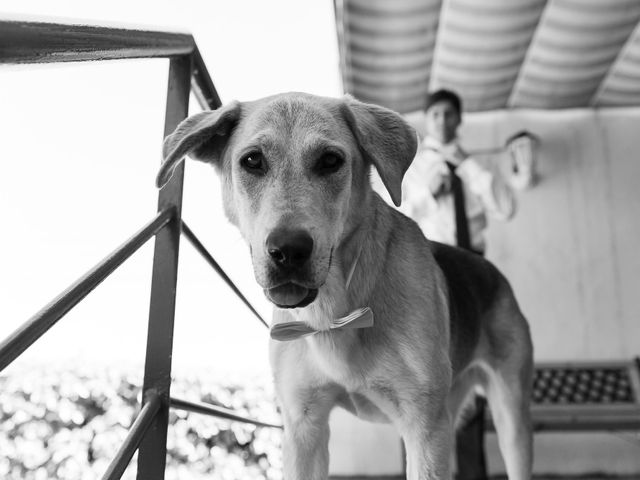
x: 360, y: 318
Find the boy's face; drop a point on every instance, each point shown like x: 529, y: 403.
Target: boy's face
x: 442, y: 121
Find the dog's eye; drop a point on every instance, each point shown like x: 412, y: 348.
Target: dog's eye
x: 328, y: 163
x: 254, y: 162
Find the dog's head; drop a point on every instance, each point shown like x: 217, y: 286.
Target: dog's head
x: 294, y: 169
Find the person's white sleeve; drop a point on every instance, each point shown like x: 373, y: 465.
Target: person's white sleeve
x: 417, y: 200
x: 496, y: 196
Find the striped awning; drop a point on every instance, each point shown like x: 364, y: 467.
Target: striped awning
x: 495, y: 53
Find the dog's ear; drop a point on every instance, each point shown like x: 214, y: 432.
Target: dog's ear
x: 385, y: 139
x: 201, y: 136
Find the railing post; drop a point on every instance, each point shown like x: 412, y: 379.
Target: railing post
x: 157, y: 374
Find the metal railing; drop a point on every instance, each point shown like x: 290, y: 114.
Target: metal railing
x: 37, y: 42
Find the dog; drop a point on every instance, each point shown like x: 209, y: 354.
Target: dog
x: 295, y: 178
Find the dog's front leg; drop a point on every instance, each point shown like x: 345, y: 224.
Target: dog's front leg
x: 305, y: 413
x: 427, y: 434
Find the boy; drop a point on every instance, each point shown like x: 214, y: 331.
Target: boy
x: 443, y: 172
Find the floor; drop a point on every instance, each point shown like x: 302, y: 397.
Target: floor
x: 503, y: 478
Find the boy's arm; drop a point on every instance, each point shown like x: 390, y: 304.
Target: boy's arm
x: 496, y: 196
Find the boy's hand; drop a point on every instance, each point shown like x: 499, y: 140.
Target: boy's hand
x: 440, y: 182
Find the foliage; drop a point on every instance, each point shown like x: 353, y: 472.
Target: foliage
x: 68, y: 424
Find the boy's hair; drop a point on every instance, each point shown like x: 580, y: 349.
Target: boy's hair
x: 443, y: 95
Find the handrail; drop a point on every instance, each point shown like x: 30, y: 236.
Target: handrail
x: 43, y: 320
x: 164, y: 279
x: 197, y: 244
x: 40, y: 42
x: 202, y: 85
x: 141, y: 424
x: 215, y: 411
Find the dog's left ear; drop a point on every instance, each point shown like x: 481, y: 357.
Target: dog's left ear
x: 385, y: 139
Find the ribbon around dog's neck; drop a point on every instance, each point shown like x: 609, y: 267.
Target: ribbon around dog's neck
x: 359, y: 318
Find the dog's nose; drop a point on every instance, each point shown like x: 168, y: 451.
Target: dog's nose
x: 289, y: 248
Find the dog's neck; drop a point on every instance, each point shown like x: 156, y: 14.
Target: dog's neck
x: 343, y: 290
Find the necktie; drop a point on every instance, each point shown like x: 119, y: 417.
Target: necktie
x: 360, y: 318
x: 462, y: 223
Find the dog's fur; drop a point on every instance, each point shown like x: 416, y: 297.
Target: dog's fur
x: 446, y: 321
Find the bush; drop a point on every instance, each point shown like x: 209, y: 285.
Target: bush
x: 68, y: 424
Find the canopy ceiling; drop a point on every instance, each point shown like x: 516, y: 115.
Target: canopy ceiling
x: 495, y: 53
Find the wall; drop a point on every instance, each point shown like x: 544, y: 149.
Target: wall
x: 571, y: 252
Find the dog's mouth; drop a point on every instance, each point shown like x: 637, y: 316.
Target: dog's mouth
x: 291, y: 295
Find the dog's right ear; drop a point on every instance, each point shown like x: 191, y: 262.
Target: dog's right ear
x: 201, y: 136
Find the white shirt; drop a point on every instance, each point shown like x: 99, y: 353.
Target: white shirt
x: 485, y: 193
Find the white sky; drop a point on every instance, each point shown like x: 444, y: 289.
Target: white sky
x: 80, y: 144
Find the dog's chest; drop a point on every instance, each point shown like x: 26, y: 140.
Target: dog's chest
x: 342, y: 360
x: 338, y: 356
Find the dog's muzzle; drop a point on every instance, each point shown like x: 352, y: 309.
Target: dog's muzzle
x: 290, y: 251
